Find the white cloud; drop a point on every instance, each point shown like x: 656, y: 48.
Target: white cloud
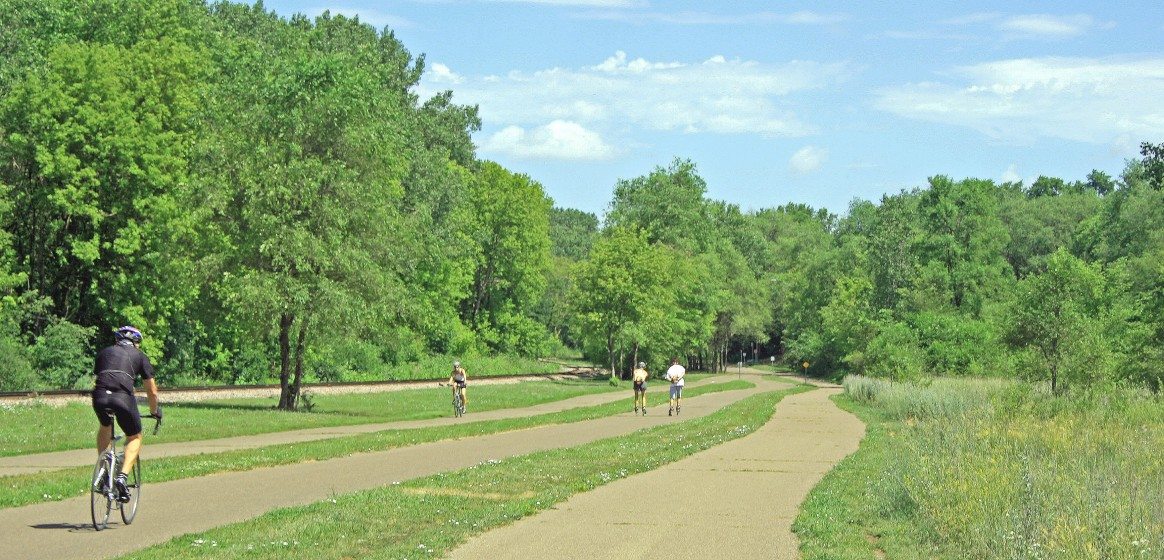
x: 441, y: 74
x: 980, y: 17
x: 1011, y: 174
x: 1042, y: 25
x: 590, y: 3
x: 808, y: 159
x: 718, y: 95
x: 559, y: 139
x: 375, y: 18
x: 708, y: 18
x: 1085, y: 100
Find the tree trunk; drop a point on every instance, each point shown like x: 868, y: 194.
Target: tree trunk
x: 610, y: 354
x: 635, y: 357
x: 285, y: 323
x: 300, y: 345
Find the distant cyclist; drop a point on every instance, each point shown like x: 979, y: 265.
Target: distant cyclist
x: 640, y: 380
x: 459, y: 379
x: 675, y: 375
x: 117, y: 368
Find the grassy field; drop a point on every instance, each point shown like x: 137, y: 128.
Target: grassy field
x: 42, y: 428
x: 431, y: 367
x: 57, y: 485
x: 428, y: 516
x: 973, y: 469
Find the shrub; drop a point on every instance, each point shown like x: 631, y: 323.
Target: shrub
x: 62, y: 355
x: 16, y: 372
x: 895, y: 354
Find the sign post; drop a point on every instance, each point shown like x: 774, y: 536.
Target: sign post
x: 805, y: 365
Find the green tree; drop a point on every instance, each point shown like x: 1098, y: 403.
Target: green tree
x: 95, y: 150
x: 617, y: 291
x: 1055, y: 316
x: 572, y: 232
x: 512, y: 231
x: 307, y: 216
x: 963, y: 235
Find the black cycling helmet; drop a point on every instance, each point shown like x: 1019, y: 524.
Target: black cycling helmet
x: 128, y: 333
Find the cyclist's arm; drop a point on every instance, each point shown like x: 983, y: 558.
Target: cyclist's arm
x: 151, y: 388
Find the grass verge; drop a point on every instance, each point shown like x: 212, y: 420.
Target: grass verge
x: 57, y: 485
x: 426, y: 517
x: 965, y: 469
x: 41, y: 428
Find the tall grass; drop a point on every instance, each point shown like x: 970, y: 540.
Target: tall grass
x: 941, y: 398
x: 999, y: 470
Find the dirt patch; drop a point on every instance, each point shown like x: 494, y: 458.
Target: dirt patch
x: 875, y: 540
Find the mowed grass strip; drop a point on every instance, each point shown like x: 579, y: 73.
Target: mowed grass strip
x: 40, y: 428
x: 426, y: 517
x: 971, y: 469
x: 57, y: 485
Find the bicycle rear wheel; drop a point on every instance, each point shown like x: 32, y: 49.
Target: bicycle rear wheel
x: 101, y: 496
x: 458, y: 404
x: 133, y: 482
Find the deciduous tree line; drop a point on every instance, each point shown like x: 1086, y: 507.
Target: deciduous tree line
x: 260, y: 195
x: 271, y: 197
x: 1055, y: 281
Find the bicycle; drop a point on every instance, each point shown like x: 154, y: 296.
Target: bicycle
x: 458, y: 401
x: 103, y: 492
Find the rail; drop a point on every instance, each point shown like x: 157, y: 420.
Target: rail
x: 60, y: 393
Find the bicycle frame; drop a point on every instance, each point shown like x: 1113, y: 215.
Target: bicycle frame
x: 103, y: 483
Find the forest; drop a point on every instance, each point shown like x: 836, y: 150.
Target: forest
x: 270, y: 198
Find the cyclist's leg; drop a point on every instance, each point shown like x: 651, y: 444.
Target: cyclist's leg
x: 105, y: 430
x: 465, y: 397
x: 132, y: 449
x: 124, y: 406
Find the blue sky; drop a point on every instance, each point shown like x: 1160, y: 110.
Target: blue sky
x: 817, y: 102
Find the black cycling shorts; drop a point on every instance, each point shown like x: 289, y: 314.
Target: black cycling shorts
x: 640, y: 386
x: 461, y: 384
x: 124, y: 407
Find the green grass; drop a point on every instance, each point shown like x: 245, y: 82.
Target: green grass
x: 27, y: 489
x: 431, y: 515
x: 993, y: 470
x: 42, y: 428
x: 427, y: 368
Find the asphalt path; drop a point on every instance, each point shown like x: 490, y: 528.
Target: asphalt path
x: 735, y: 500
x: 59, y: 530
x: 26, y: 464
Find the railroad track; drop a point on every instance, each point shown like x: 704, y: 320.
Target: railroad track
x: 210, y: 392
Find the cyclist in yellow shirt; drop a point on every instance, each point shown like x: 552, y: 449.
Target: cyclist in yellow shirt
x: 640, y: 381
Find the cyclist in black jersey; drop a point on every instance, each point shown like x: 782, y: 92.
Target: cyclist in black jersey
x: 117, y: 367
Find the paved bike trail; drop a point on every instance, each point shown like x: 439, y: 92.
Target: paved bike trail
x: 62, y: 530
x: 26, y: 464
x: 735, y: 500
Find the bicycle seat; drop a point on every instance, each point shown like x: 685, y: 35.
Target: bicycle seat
x: 112, y: 418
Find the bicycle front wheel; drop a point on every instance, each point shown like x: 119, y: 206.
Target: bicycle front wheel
x: 101, y: 496
x: 133, y: 482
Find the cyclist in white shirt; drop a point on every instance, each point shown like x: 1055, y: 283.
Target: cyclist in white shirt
x: 675, y: 376
x: 640, y: 381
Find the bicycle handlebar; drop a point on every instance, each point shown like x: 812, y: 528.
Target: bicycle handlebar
x: 157, y: 420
